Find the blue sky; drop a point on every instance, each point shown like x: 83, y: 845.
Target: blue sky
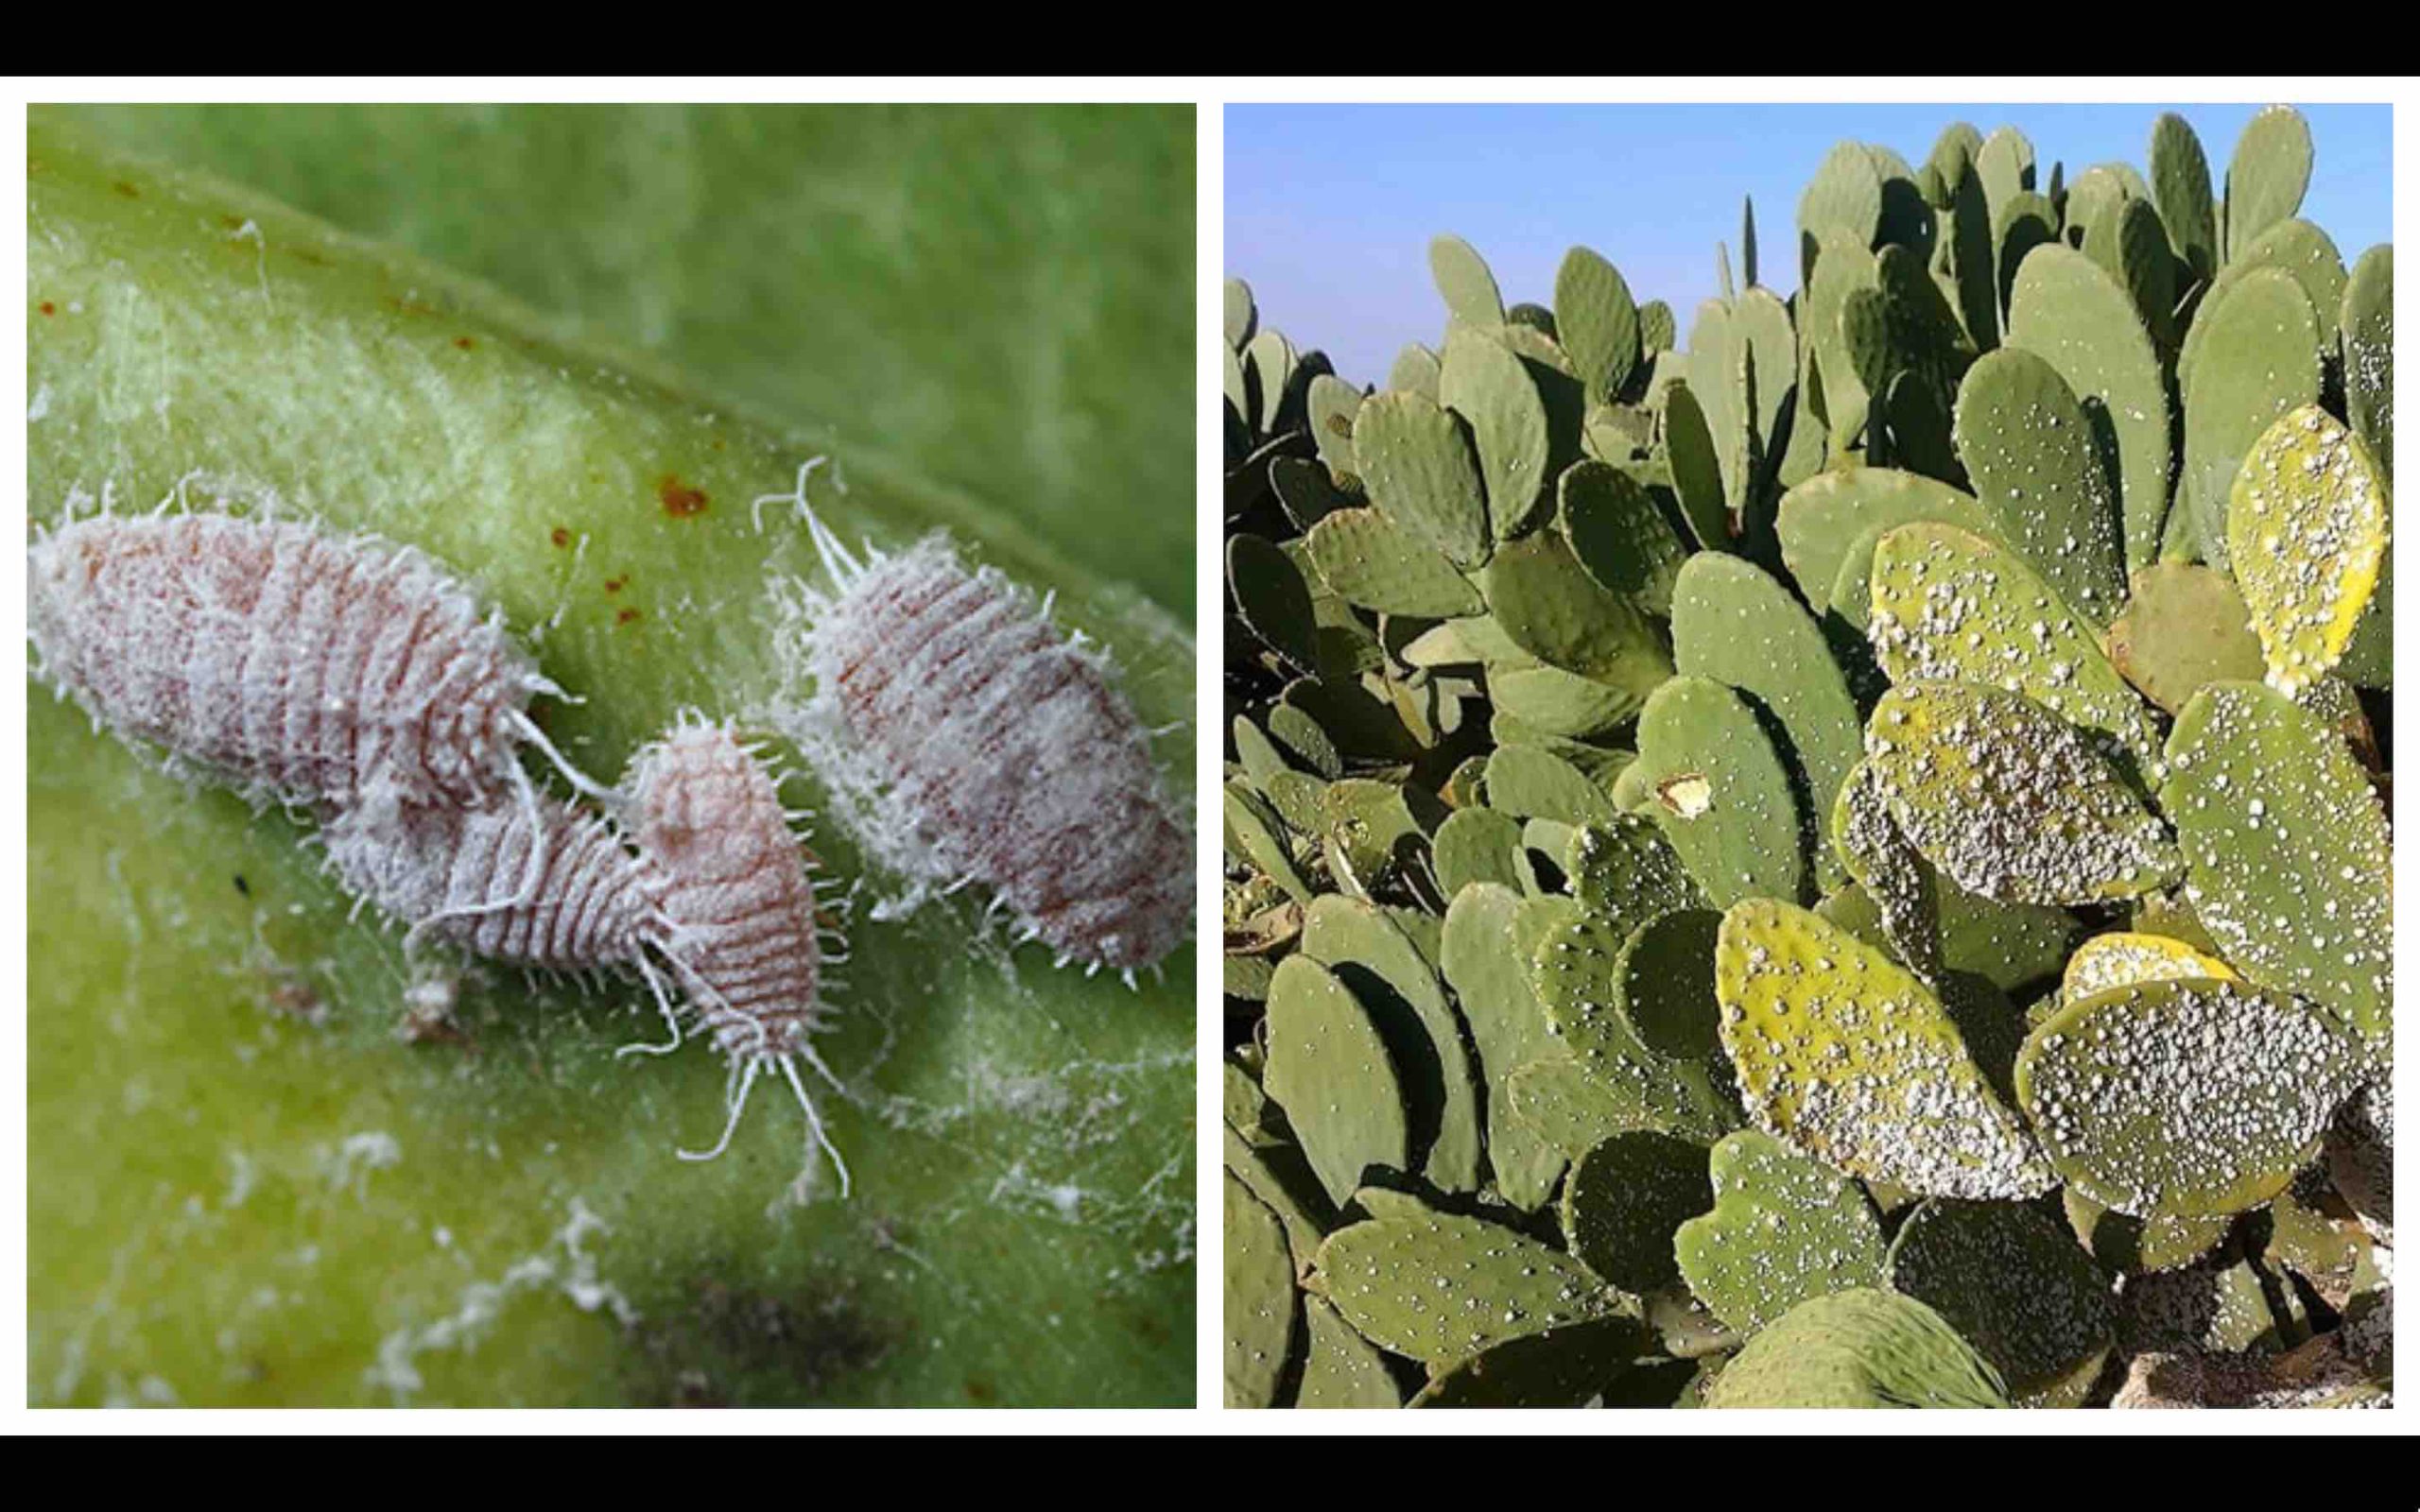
x: 1330, y: 208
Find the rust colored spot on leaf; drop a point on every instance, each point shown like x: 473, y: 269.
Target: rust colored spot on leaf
x: 49, y: 308
x: 559, y: 536
x: 680, y: 500
x: 625, y: 617
x: 466, y: 343
x: 127, y: 189
x: 615, y: 585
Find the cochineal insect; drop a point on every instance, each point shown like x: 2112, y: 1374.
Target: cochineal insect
x: 994, y: 748
x: 303, y: 666
x: 752, y: 938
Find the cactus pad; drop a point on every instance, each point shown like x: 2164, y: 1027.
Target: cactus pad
x: 1783, y: 1228
x: 1849, y: 1057
x: 2184, y: 1098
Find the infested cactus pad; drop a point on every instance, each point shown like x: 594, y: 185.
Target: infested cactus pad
x: 1437, y: 1288
x: 2287, y: 855
x: 1847, y: 1057
x: 2184, y: 1098
x: 2011, y: 803
x: 1783, y: 1228
x: 2306, y: 523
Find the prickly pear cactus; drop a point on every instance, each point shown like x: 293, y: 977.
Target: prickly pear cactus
x: 1896, y: 773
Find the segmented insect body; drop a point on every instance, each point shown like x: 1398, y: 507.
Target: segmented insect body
x: 304, y: 665
x: 1005, y: 747
x: 748, y: 938
x: 550, y: 885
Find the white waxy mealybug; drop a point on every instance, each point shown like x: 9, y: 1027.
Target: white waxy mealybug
x: 994, y: 749
x: 304, y: 666
x: 749, y: 945
x: 468, y: 877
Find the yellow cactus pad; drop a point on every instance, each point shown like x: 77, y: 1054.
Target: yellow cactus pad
x: 2122, y: 959
x: 2307, y: 533
x: 1851, y: 1059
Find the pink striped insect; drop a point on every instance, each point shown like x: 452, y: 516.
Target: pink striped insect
x: 304, y: 666
x: 307, y: 665
x: 994, y: 748
x: 752, y: 944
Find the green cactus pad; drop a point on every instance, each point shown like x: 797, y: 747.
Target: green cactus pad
x: 1849, y: 1057
x: 2067, y: 310
x: 2014, y: 1283
x: 1625, y: 1198
x: 1308, y: 491
x: 2185, y: 627
x: 2005, y: 164
x: 2184, y: 1098
x: 1948, y: 606
x: 2286, y: 850
x: 2296, y: 248
x: 1417, y: 462
x: 1665, y: 981
x: 1822, y: 519
x: 1690, y: 447
x: 1552, y: 608
x: 1341, y: 1369
x: 1858, y: 1348
x: 1556, y: 702
x: 1277, y: 1173
x: 1719, y: 792
x: 1527, y: 781
x: 2011, y: 945
x: 1414, y: 371
x: 2133, y: 1245
x: 2268, y: 174
x: 1330, y: 405
x: 1273, y: 368
x: 1846, y: 195
x: 1565, y: 1366
x: 1242, y: 319
x: 2181, y: 189
x: 1574, y: 1104
x: 1469, y: 289
x: 2306, y: 529
x: 1255, y: 826
x: 1624, y: 868
x: 1489, y: 387
x: 1620, y: 534
x: 1483, y: 958
x: 2009, y: 801
x: 1783, y: 1228
x: 2029, y: 450
x: 2368, y: 326
x: 1736, y: 624
x: 1438, y: 1288
x: 1387, y: 975
x: 1371, y: 560
x: 1260, y: 1312
x: 1273, y: 600
x: 2122, y: 958
x: 1330, y: 1071
x: 2259, y: 360
x: 1475, y: 845
x: 1598, y: 322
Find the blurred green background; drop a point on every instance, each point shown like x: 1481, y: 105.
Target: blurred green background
x: 247, y: 1187
x: 999, y: 296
